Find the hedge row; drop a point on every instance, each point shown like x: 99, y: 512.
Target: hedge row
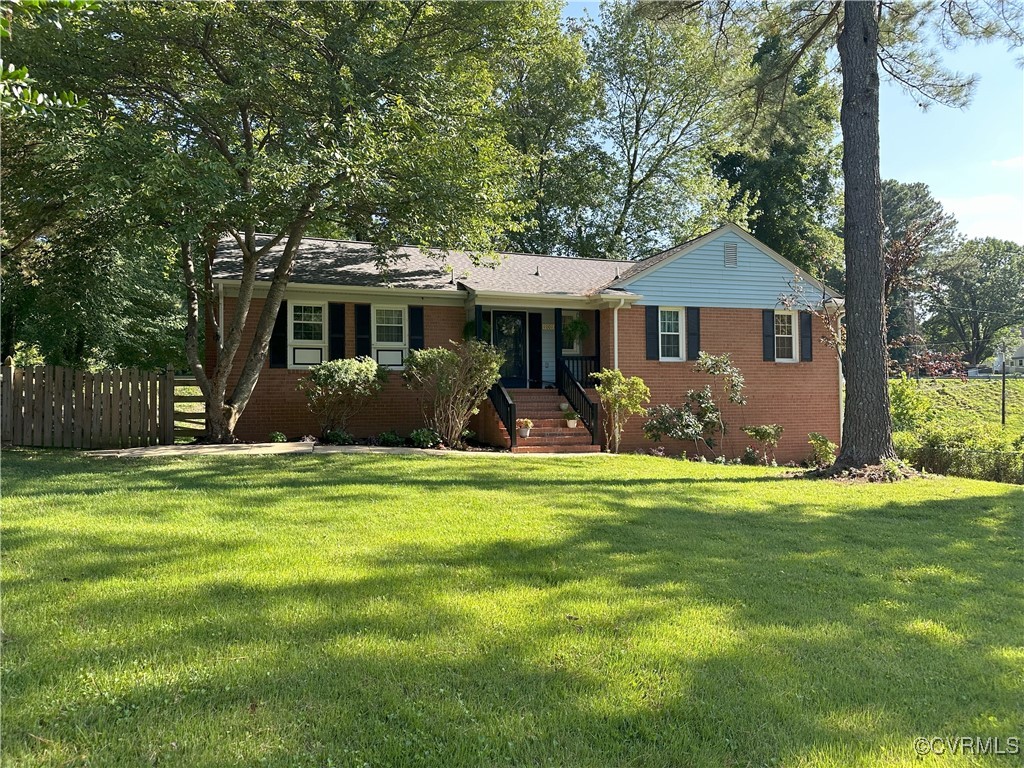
x: 964, y: 451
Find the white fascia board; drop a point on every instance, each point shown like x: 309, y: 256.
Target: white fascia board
x: 455, y: 298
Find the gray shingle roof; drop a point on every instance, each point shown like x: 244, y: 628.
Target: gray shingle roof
x: 347, y: 263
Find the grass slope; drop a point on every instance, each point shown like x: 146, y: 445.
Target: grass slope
x: 978, y: 400
x: 348, y: 610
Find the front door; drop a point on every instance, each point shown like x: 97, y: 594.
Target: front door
x: 509, y: 330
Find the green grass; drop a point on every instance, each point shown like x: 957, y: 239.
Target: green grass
x: 342, y: 610
x: 977, y: 400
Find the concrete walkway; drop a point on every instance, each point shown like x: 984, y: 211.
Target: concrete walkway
x: 259, y: 449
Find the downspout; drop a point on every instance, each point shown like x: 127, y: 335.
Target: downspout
x: 615, y: 333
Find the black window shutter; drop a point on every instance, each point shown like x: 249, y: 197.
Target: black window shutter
x: 416, y: 328
x: 653, y: 335
x: 535, y: 333
x: 278, y: 352
x: 335, y: 331
x: 692, y: 333
x: 364, y: 344
x: 768, y: 333
x: 806, y: 345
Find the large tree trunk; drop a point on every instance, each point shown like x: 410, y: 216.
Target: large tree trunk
x: 867, y: 425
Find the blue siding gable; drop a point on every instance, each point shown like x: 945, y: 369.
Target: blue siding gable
x: 700, y: 278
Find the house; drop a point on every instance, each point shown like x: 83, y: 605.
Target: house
x: 556, y: 319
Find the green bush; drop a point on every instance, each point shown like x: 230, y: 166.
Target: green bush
x: 768, y: 435
x: 907, y: 445
x: 969, y: 451
x: 620, y: 397
x: 390, y: 439
x: 453, y: 382
x: 424, y: 438
x: 823, y: 450
x: 910, y: 407
x: 277, y: 437
x: 338, y: 388
x: 338, y: 437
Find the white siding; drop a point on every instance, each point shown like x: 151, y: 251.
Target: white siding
x: 701, y: 279
x: 547, y: 337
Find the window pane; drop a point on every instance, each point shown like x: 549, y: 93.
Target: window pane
x: 669, y: 321
x: 783, y: 325
x: 389, y: 326
x: 783, y: 347
x: 670, y: 345
x: 307, y: 322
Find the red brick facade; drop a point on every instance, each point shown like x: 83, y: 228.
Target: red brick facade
x: 803, y: 397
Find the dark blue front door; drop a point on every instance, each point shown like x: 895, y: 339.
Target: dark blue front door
x: 509, y: 329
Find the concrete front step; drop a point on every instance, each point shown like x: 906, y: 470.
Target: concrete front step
x: 557, y: 449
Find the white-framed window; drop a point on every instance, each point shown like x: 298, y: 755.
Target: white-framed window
x: 785, y: 337
x: 390, y: 334
x: 307, y: 334
x: 671, y: 333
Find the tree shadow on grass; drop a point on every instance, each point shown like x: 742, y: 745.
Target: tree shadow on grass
x: 609, y: 628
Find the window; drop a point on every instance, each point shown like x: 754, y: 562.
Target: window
x: 671, y: 332
x: 389, y: 336
x: 785, y: 337
x: 306, y: 335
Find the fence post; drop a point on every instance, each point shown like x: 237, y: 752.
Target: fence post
x: 167, y: 406
x: 7, y: 404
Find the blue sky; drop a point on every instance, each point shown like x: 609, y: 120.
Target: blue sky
x: 972, y: 158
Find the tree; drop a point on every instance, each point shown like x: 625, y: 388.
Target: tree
x: 665, y: 117
x: 975, y: 293
x: 891, y: 37
x: 277, y: 117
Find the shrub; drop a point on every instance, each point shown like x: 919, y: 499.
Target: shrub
x: 452, y: 382
x: 620, y: 398
x: 338, y: 437
x: 750, y: 456
x: 696, y: 421
x: 338, y: 388
x: 390, y: 439
x: 823, y: 450
x: 424, y: 438
x: 910, y: 407
x: 970, y: 451
x: 907, y: 445
x: 277, y: 437
x: 768, y: 435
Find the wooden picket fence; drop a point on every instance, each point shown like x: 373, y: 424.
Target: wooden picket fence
x: 52, y: 406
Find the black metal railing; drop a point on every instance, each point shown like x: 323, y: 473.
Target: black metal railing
x: 572, y: 390
x: 581, y: 366
x: 506, y: 410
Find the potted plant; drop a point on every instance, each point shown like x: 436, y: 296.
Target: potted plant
x: 571, y: 417
x: 524, y: 426
x: 574, y: 329
x: 563, y: 406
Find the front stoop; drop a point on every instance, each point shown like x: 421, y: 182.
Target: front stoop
x: 549, y: 433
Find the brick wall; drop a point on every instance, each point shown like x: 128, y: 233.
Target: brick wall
x: 276, y: 405
x: 802, y: 397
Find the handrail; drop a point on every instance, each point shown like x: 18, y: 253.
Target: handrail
x: 572, y: 390
x: 581, y: 366
x: 505, y: 407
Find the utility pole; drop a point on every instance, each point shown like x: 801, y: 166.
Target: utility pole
x: 1003, y: 367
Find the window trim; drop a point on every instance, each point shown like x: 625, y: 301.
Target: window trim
x: 390, y: 346
x: 294, y: 343
x: 795, y: 321
x: 681, y: 312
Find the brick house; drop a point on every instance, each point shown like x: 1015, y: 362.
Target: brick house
x: 556, y: 320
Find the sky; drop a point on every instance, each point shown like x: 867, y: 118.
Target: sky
x: 972, y: 159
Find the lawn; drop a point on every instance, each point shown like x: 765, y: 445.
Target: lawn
x: 955, y: 401
x: 342, y: 610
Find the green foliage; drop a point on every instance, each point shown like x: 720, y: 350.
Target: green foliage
x: 823, y: 450
x: 697, y: 421
x: 452, y: 382
x: 277, y: 437
x: 390, y: 439
x: 338, y: 437
x: 524, y: 423
x: 750, y: 456
x: 907, y: 444
x: 573, y: 330
x: 967, y: 451
x: 424, y: 438
x: 975, y: 292
x: 768, y: 435
x: 336, y: 389
x: 910, y: 407
x: 620, y: 398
